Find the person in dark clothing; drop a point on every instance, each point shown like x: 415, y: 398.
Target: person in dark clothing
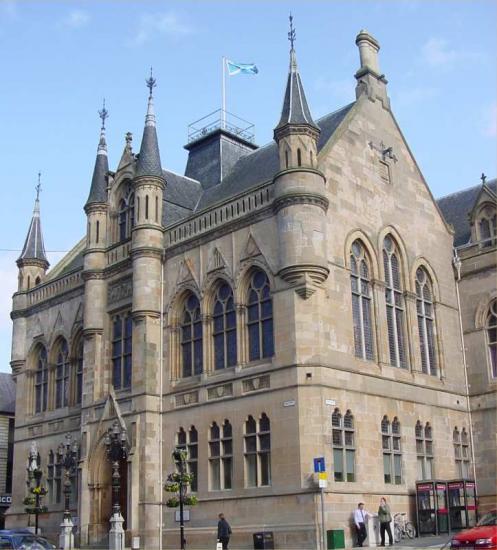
x: 385, y: 517
x: 223, y: 531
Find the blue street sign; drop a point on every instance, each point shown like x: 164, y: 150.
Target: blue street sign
x: 319, y: 465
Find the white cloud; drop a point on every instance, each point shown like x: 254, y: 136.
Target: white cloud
x: 167, y: 24
x: 437, y: 52
x: 491, y: 120
x: 76, y: 19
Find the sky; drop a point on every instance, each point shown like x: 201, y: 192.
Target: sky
x: 60, y: 59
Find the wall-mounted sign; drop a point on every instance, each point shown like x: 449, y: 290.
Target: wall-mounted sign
x: 289, y: 403
x: 330, y: 402
x: 5, y: 500
x: 186, y: 515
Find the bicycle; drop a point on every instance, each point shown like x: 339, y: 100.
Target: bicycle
x: 402, y: 528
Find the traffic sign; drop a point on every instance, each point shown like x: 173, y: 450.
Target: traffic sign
x: 319, y: 465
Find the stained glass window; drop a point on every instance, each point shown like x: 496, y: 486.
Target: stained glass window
x: 395, y: 304
x: 361, y: 301
x: 260, y: 317
x: 224, y: 328
x: 426, y: 322
x: 191, y: 337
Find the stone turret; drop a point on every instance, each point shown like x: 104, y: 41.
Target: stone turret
x: 300, y: 199
x: 32, y: 262
x: 93, y: 273
x: 146, y: 254
x: 370, y: 80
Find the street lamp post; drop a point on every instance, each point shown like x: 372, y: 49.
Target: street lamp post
x: 68, y: 454
x: 117, y: 450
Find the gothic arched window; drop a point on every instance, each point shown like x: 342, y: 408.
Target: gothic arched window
x: 426, y: 321
x: 62, y: 375
x: 361, y: 301
x: 491, y: 328
x: 78, y: 374
x: 41, y: 380
x: 392, y: 451
x: 122, y: 331
x: 191, y: 337
x: 126, y: 215
x: 258, y: 451
x: 224, y: 330
x: 395, y: 304
x: 260, y: 317
x: 424, y: 450
x: 343, y: 446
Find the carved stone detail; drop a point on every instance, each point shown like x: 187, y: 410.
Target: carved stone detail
x: 217, y: 392
x: 120, y: 290
x: 185, y: 399
x: 255, y: 384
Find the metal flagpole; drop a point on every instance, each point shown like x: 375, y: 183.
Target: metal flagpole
x: 223, y: 109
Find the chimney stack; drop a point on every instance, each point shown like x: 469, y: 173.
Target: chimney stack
x: 369, y: 79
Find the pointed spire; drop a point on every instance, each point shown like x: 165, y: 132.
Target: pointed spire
x: 295, y: 109
x: 98, y: 189
x: 33, y: 248
x: 148, y: 163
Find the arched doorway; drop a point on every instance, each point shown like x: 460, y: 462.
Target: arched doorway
x: 100, y: 489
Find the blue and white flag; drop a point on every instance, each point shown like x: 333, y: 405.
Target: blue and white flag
x: 243, y: 68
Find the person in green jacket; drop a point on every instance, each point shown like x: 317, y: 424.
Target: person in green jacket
x: 385, y: 517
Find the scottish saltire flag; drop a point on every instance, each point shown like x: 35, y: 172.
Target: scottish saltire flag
x: 243, y: 68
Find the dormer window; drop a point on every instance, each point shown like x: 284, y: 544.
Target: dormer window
x: 487, y: 227
x: 126, y: 215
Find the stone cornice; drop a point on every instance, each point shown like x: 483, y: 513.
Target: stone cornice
x: 296, y: 129
x: 156, y: 181
x: 93, y: 274
x: 300, y: 198
x: 146, y: 252
x: 138, y: 314
x: 95, y: 207
x: 298, y: 170
x: 92, y: 331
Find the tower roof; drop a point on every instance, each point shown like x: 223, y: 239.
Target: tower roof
x: 33, y: 248
x: 295, y: 108
x: 148, y: 163
x: 98, y: 189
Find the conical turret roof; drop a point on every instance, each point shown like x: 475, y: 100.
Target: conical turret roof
x: 33, y: 248
x: 148, y: 163
x: 295, y: 108
x: 98, y: 188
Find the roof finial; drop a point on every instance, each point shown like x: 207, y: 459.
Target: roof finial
x: 291, y: 34
x: 38, y: 187
x: 103, y: 114
x: 483, y: 178
x: 151, y: 82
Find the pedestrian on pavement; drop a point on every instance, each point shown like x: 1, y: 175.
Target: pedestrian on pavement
x: 223, y: 531
x: 360, y: 516
x: 385, y: 517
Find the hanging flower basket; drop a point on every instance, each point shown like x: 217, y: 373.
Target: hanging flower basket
x: 173, y: 502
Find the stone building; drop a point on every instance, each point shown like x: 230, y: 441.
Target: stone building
x: 7, y: 420
x: 272, y: 305
x: 473, y: 214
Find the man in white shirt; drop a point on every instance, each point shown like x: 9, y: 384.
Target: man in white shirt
x: 360, y: 516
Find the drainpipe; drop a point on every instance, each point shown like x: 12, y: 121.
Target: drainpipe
x: 161, y: 384
x: 458, y: 265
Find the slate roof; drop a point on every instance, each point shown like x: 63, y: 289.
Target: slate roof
x: 295, y: 108
x: 7, y: 393
x: 457, y: 208
x: 33, y: 248
x: 261, y: 165
x: 98, y: 189
x: 148, y: 163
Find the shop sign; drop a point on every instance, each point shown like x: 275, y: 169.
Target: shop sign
x: 5, y: 500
